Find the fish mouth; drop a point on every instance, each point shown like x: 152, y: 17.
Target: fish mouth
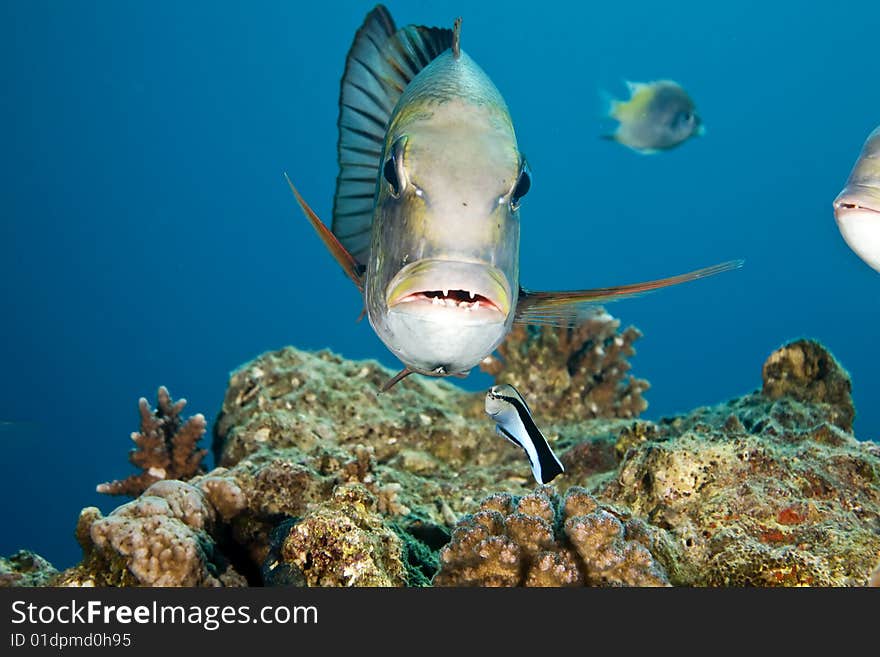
x: 857, y: 197
x: 853, y: 206
x: 859, y: 225
x: 447, y: 289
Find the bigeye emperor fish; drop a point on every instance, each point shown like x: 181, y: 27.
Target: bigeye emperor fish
x: 658, y: 116
x: 514, y: 422
x: 857, y: 207
x: 427, y: 206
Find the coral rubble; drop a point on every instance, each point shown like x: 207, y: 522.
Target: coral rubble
x: 165, y: 447
x: 322, y: 482
x: 572, y: 374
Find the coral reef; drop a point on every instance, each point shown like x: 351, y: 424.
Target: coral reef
x: 165, y: 447
x: 540, y: 540
x: 163, y: 538
x: 767, y: 489
x: 344, y: 543
x: 322, y: 482
x: 572, y: 374
x: 24, y: 568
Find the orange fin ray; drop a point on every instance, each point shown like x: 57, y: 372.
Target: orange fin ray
x: 350, y: 266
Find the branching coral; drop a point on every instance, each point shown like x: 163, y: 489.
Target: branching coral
x: 540, y: 540
x: 572, y: 373
x: 166, y: 447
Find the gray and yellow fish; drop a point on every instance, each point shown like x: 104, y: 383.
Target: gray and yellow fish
x: 658, y: 116
x: 857, y: 207
x: 514, y: 422
x: 426, y: 213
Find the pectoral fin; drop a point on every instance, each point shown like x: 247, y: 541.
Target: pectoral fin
x: 568, y: 308
x: 349, y: 265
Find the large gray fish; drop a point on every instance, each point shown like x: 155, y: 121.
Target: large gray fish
x: 857, y: 207
x: 426, y: 212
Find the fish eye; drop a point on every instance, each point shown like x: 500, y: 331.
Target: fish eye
x: 392, y: 171
x: 523, y: 184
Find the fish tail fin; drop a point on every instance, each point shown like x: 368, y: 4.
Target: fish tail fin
x: 551, y: 467
x: 608, y: 104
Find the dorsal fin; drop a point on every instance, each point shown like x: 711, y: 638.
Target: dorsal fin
x: 380, y: 64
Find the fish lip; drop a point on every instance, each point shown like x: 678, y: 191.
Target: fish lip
x: 451, y: 285
x: 846, y: 206
x: 857, y: 197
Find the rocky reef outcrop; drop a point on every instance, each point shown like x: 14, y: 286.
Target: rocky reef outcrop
x: 320, y: 481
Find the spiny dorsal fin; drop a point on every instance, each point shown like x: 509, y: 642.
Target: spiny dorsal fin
x: 456, y: 38
x: 570, y: 308
x: 380, y: 64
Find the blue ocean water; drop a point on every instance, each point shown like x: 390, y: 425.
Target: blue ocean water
x: 148, y: 237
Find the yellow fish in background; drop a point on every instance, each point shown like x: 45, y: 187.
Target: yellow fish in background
x: 658, y: 116
x: 426, y: 215
x: 857, y: 207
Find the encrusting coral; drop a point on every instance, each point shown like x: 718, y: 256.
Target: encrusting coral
x: 572, y: 373
x: 165, y: 447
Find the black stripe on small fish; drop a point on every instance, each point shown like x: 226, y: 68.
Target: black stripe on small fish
x: 548, y: 464
x: 512, y: 438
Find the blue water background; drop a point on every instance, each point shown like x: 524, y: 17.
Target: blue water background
x: 148, y: 237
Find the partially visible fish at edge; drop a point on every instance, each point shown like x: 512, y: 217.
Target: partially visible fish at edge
x: 857, y: 207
